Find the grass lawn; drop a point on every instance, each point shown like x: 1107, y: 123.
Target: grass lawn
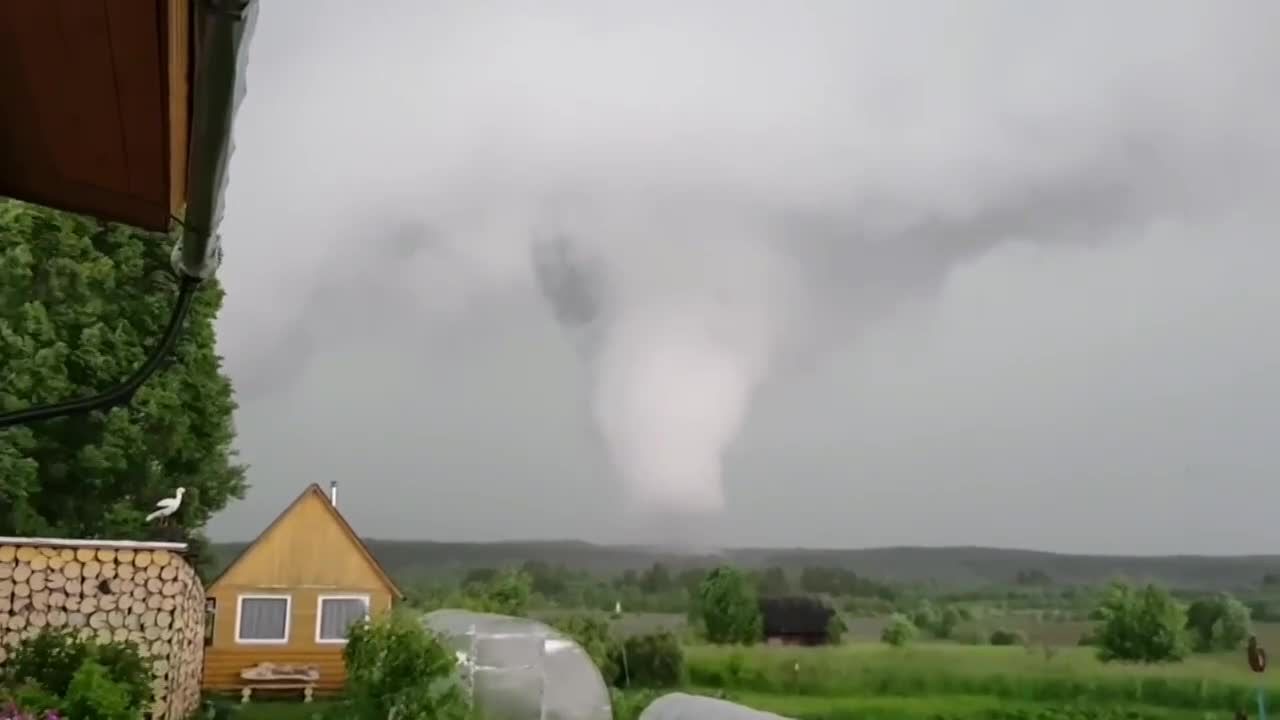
x: 1008, y: 674
x: 946, y: 681
x: 844, y: 708
x: 959, y: 707
x: 280, y: 710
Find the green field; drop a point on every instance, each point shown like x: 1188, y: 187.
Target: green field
x: 874, y: 681
x: 1016, y: 673
x: 936, y: 679
x: 953, y: 707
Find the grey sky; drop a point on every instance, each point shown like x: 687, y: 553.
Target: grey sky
x: 857, y: 273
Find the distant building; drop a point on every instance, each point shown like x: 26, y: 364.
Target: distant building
x: 795, y: 620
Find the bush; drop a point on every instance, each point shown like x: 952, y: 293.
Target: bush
x: 728, y: 607
x: 1002, y: 636
x: 57, y: 671
x: 594, y: 636
x: 1219, y: 623
x: 29, y: 702
x: 95, y: 695
x: 899, y: 631
x: 925, y: 617
x: 1145, y: 625
x: 396, y: 668
x: 48, y: 660
x: 836, y: 628
x: 655, y: 660
x: 948, y: 619
x: 629, y: 704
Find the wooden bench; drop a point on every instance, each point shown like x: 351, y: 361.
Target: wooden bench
x: 269, y: 676
x: 308, y: 689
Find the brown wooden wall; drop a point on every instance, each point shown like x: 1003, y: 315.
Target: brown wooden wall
x: 222, y: 666
x: 94, y: 106
x: 224, y: 658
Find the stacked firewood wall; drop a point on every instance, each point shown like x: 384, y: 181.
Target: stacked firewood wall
x: 151, y: 598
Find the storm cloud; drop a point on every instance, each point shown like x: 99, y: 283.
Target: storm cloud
x: 533, y: 272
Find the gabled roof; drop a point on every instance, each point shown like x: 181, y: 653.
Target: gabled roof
x: 314, y: 490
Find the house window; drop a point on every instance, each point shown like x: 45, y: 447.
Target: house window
x: 337, y: 613
x: 263, y: 619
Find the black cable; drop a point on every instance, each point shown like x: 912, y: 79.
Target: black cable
x: 122, y: 393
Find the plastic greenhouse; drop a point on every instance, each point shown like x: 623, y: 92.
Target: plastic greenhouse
x: 519, y: 669
x: 679, y: 706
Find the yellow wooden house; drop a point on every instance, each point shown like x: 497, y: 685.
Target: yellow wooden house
x: 289, y: 598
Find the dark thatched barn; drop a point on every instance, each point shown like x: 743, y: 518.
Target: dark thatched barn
x: 795, y: 620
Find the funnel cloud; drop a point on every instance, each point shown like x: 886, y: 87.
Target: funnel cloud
x: 545, y: 272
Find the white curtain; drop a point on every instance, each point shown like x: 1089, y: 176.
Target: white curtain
x: 337, y: 615
x: 263, y: 618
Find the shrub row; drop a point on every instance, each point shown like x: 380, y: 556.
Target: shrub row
x: 56, y: 674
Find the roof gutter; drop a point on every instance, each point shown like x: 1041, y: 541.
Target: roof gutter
x: 221, y: 37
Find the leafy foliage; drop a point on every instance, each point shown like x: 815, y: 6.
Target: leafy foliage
x: 900, y: 631
x: 57, y: 671
x: 925, y: 616
x: 728, y: 607
x: 507, y: 594
x: 94, y: 695
x: 836, y: 628
x: 593, y: 634
x: 1143, y: 625
x: 1218, y: 623
x: 629, y: 705
x: 81, y: 304
x: 396, y: 668
x: 29, y: 702
x: 654, y: 660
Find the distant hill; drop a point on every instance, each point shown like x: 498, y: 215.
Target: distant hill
x: 957, y: 567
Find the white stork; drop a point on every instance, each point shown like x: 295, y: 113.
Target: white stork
x: 167, y: 506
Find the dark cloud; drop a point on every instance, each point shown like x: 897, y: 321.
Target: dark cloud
x: 819, y: 253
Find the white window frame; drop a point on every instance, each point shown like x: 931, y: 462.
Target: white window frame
x: 288, y: 618
x: 368, y: 612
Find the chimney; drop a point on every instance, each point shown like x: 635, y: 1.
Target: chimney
x: 333, y: 492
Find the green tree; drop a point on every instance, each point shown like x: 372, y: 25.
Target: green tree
x: 1217, y: 623
x: 549, y: 581
x: 729, y: 608
x: 81, y: 304
x: 925, y: 617
x: 396, y: 668
x: 948, y: 619
x: 506, y: 593
x: 1141, y: 625
x: 836, y: 628
x: 656, y: 579
x: 899, y: 631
